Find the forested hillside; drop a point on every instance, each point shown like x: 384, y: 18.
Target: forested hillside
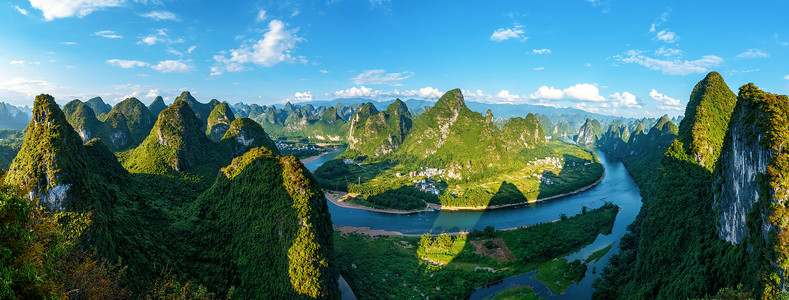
x: 154, y: 231
x: 689, y: 239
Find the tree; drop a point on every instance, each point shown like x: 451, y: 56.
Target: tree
x: 584, y: 209
x: 563, y: 217
x: 489, y: 231
x: 425, y: 242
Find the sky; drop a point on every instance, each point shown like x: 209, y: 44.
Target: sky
x: 615, y: 57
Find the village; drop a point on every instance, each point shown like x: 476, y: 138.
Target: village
x: 296, y: 146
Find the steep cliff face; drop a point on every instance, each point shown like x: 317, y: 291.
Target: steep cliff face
x: 751, y: 183
x: 742, y: 161
x: 589, y: 132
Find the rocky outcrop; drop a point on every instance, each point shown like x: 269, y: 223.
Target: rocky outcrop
x: 219, y: 121
x: 244, y: 134
x: 589, y: 132
x: 51, y: 163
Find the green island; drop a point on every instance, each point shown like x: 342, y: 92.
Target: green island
x: 452, y: 266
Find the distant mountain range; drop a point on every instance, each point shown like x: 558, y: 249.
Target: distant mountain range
x: 14, y: 117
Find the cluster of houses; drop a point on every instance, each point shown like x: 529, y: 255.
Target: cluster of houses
x: 427, y: 187
x: 291, y: 146
x: 542, y: 178
x: 425, y: 172
x: 555, y: 161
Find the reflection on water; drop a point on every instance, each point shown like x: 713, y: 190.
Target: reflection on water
x: 617, y: 187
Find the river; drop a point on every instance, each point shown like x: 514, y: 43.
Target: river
x: 617, y: 187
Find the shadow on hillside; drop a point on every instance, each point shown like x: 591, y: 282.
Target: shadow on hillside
x: 576, y: 173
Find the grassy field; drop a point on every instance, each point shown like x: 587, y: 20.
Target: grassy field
x: 518, y: 293
x: 404, y: 267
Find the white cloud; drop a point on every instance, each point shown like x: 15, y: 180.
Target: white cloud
x: 425, y: 92
x: 379, y: 77
x: 671, y: 67
x: 302, y: 97
x: 667, y: 36
x: 539, y: 68
x: 175, y: 52
x: 323, y: 71
x: 160, y: 15
x: 507, y: 96
x: 69, y: 43
x: 669, y: 103
x: 275, y: 47
x: 584, y: 92
x: 261, y: 16
x: 108, y: 34
x: 786, y: 77
x: 624, y: 99
x: 150, y: 40
x: 53, y: 9
x: 545, y: 92
x: 127, y: 64
x: 160, y: 36
x: 21, y: 10
x: 541, y: 51
x: 668, y: 52
x: 27, y: 87
x: 152, y: 93
x: 25, y: 63
x: 753, y: 53
x: 365, y: 92
x: 354, y: 92
x: 503, y: 34
x: 169, y: 66
x: 191, y: 49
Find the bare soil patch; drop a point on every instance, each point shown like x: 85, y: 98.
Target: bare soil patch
x: 500, y: 251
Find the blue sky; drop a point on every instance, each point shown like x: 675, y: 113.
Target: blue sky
x: 630, y: 58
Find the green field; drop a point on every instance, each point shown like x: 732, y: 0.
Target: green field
x: 401, y: 267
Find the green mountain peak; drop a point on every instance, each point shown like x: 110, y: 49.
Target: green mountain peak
x: 244, y: 134
x: 52, y: 159
x: 157, y: 106
x: 219, y: 121
x: 706, y: 120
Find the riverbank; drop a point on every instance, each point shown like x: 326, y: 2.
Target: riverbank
x: 459, y: 208
x: 312, y: 158
x: 334, y: 197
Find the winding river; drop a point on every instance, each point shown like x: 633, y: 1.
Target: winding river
x: 617, y: 187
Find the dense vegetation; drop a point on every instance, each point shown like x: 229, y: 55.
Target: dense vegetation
x: 673, y: 249
x: 398, y: 267
x: 141, y: 235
